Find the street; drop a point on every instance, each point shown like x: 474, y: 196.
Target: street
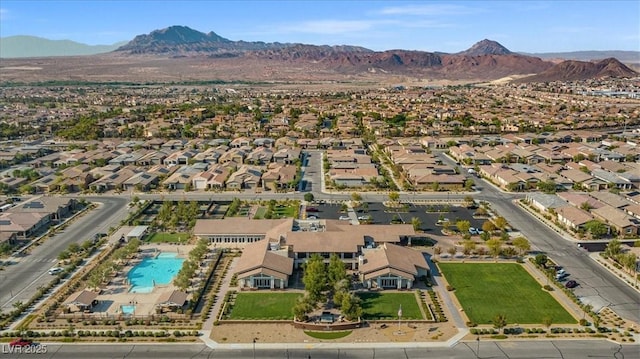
x: 561, y: 349
x: 20, y: 280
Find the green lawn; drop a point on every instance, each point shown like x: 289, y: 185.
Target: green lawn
x: 327, y: 335
x: 260, y: 212
x: 488, y: 289
x: 284, y: 211
x: 380, y: 305
x: 264, y: 306
x: 168, y: 237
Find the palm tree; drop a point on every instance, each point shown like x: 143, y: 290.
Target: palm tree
x: 416, y: 223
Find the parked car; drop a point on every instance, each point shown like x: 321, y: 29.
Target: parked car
x: 472, y: 230
x: 560, y: 271
x: 561, y: 276
x: 55, y: 270
x: 571, y: 284
x: 312, y: 217
x: 344, y: 218
x: 312, y: 209
x: 20, y: 342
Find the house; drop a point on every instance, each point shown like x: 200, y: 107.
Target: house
x: 264, y: 264
x: 545, y: 202
x: 246, y: 177
x: 22, y: 225
x: 572, y: 217
x: 391, y: 266
x: 142, y: 181
x: 625, y: 224
x: 279, y: 176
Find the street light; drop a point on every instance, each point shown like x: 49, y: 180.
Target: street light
x: 254, y: 347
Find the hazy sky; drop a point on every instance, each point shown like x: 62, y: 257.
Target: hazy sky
x: 450, y: 26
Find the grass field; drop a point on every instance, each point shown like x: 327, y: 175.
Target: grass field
x: 386, y: 305
x: 327, y: 335
x: 284, y: 211
x: 273, y: 306
x: 260, y: 212
x: 488, y: 289
x: 168, y: 237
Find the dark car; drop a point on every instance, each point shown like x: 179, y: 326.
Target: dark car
x: 571, y: 284
x: 21, y: 342
x: 312, y: 209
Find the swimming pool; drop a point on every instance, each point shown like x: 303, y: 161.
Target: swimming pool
x: 154, y: 271
x: 128, y: 309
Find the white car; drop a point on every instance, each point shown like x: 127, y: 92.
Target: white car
x: 344, y: 218
x: 472, y: 230
x: 55, y: 270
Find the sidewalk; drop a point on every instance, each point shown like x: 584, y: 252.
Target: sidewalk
x: 207, y: 326
x: 626, y: 277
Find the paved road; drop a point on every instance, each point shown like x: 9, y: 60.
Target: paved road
x: 509, y: 350
x: 19, y: 281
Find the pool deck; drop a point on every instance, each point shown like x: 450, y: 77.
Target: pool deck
x: 116, y: 293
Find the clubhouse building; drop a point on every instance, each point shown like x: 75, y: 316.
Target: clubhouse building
x: 272, y: 249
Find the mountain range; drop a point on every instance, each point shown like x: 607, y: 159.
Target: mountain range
x: 485, y: 60
x: 32, y: 46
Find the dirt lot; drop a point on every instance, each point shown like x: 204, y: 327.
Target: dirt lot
x: 286, y: 333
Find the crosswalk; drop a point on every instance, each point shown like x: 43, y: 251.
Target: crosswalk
x: 36, y: 259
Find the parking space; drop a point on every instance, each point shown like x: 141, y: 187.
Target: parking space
x: 379, y: 214
x: 324, y: 211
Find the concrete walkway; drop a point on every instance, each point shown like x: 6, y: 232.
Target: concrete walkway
x: 207, y: 326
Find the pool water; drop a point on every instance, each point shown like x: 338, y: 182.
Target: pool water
x: 128, y: 309
x: 154, y: 271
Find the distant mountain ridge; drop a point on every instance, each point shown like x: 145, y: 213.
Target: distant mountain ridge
x: 572, y: 70
x: 484, y: 60
x: 32, y: 46
x: 485, y: 47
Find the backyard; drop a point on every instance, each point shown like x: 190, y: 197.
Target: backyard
x: 272, y: 306
x: 376, y: 306
x: 488, y: 289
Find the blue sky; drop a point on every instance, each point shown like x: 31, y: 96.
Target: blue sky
x: 449, y: 26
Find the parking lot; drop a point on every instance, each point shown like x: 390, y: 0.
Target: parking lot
x: 383, y: 215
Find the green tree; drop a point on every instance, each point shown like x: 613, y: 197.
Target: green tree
x: 522, y: 244
x: 488, y: 226
x: 500, y: 321
x: 468, y: 246
x: 629, y: 261
x: 547, y: 322
x: 541, y: 260
x: 394, y: 197
x: 315, y: 277
x: 596, y: 228
x: 416, y: 223
x: 336, y: 271
x: 613, y: 249
x: 309, y: 197
x: 500, y: 222
x: 351, y: 308
x: 463, y: 226
x: 356, y: 197
x: 302, y: 308
x: 495, y: 246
